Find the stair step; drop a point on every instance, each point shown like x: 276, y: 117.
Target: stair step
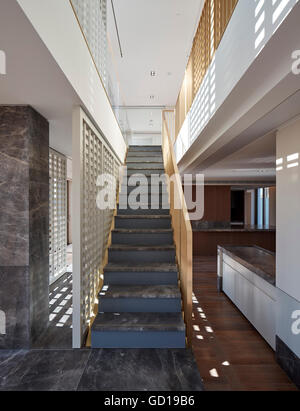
x: 145, y: 179
x: 142, y: 237
x: 144, y: 197
x: 140, y: 298
x: 138, y: 330
x: 137, y: 162
x: 145, y: 211
x: 145, y: 172
x: 144, y: 158
x: 152, y: 274
x: 140, y: 167
x: 161, y: 189
x: 144, y: 148
x: 141, y: 254
x: 143, y: 221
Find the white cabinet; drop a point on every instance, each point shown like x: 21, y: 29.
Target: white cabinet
x: 253, y: 295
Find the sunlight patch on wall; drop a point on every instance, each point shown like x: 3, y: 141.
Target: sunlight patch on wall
x: 2, y: 62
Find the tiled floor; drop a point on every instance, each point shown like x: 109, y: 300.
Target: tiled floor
x: 54, y: 366
x: 230, y: 353
x: 59, y: 333
x: 99, y: 370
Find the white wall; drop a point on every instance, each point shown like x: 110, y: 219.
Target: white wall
x: 145, y: 140
x: 288, y: 233
x: 252, y: 25
x: 288, y: 212
x: 2, y: 63
x: 56, y: 24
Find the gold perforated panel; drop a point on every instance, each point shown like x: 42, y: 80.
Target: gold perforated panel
x: 223, y: 10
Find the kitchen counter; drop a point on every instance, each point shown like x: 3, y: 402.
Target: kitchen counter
x: 246, y: 274
x: 258, y: 260
x: 234, y: 229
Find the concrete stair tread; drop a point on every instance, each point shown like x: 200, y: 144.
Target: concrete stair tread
x: 141, y: 168
x: 143, y: 231
x: 138, y: 322
x: 123, y: 247
x: 155, y: 267
x: 143, y: 205
x: 146, y: 173
x: 146, y: 216
x: 143, y: 184
x: 144, y: 147
x: 133, y: 153
x: 135, y: 158
x: 140, y: 292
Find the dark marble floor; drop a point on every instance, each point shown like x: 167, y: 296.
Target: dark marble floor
x: 99, y: 370
x: 59, y: 332
x: 54, y: 366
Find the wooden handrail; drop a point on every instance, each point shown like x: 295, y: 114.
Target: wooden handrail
x: 183, y: 235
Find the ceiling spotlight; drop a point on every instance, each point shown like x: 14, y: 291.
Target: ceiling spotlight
x: 152, y: 73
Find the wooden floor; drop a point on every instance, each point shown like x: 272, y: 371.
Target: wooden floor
x: 230, y: 353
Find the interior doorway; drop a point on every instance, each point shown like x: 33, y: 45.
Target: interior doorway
x: 237, y: 207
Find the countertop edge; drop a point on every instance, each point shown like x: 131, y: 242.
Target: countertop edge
x: 256, y: 270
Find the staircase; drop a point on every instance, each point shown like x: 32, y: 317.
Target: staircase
x: 140, y: 302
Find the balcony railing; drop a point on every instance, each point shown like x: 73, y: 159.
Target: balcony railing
x: 215, y: 17
x: 92, y: 18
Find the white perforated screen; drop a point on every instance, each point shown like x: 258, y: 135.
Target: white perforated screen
x: 57, y: 215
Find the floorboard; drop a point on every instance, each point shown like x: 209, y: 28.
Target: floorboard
x: 230, y: 353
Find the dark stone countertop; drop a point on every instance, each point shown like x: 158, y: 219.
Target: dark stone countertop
x: 235, y: 229
x: 258, y: 260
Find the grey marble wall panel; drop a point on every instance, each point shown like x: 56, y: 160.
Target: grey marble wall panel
x: 24, y: 224
x: 14, y: 302
x: 14, y: 178
x: 38, y: 155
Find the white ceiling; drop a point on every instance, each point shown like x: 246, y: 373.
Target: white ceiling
x: 254, y: 162
x: 34, y: 78
x: 144, y: 120
x: 154, y: 35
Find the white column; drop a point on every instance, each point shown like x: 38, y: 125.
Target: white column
x: 288, y: 235
x: 76, y: 225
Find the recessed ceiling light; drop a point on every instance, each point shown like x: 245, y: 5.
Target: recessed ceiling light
x: 152, y: 73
